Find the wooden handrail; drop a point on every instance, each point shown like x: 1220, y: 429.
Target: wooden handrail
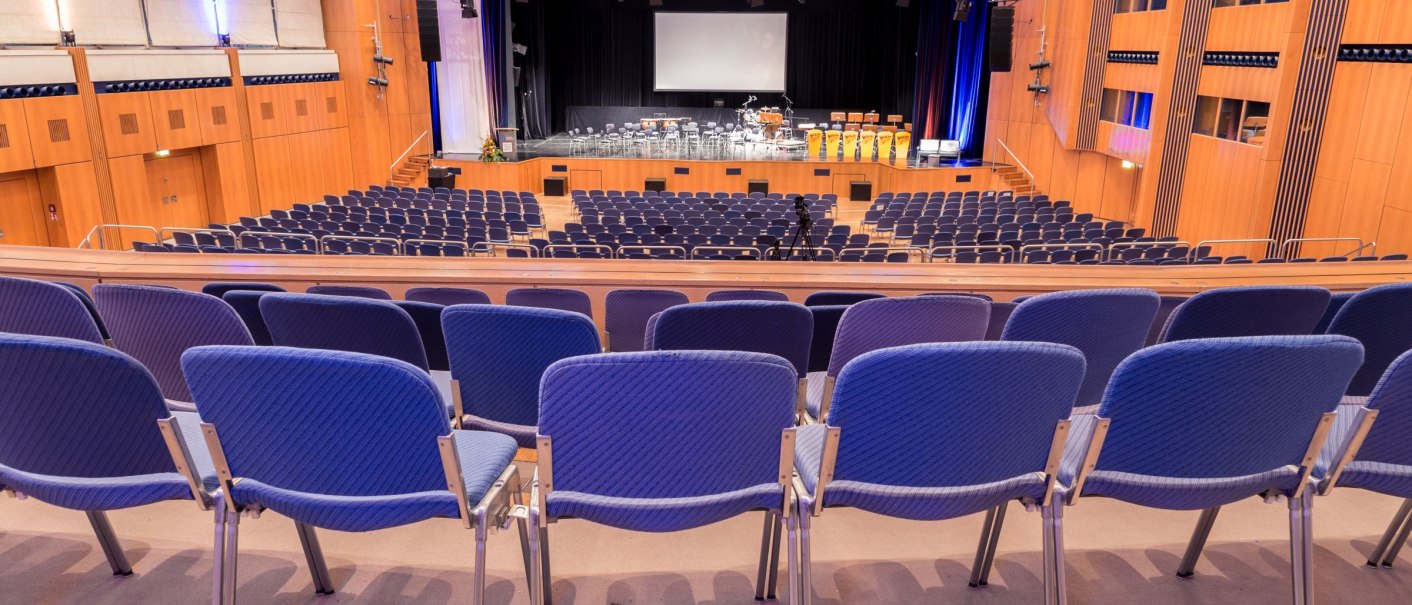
x: 1017, y: 160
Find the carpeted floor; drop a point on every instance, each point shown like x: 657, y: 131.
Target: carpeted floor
x: 1116, y: 554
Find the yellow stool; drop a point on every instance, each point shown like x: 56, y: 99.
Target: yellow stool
x: 884, y: 146
x: 850, y: 144
x: 814, y: 140
x: 832, y: 138
x: 865, y: 141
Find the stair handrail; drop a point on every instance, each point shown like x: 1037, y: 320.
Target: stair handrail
x: 392, y: 170
x: 1022, y: 166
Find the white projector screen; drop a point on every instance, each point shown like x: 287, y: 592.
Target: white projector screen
x: 742, y: 52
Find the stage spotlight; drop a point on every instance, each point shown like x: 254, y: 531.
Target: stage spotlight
x: 1038, y: 88
x: 468, y: 9
x: 376, y: 81
x: 382, y: 59
x: 963, y: 10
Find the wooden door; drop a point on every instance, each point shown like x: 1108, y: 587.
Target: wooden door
x: 21, y: 211
x: 177, y: 191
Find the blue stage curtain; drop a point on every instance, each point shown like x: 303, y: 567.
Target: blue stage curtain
x: 952, y: 80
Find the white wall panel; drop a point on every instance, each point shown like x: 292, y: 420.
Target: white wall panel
x: 182, y: 22
x: 249, y: 22
x: 29, y: 22
x: 21, y: 67
x: 130, y: 65
x: 104, y: 22
x: 287, y: 62
x: 301, y: 23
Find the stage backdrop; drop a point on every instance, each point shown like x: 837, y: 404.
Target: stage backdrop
x: 857, y: 55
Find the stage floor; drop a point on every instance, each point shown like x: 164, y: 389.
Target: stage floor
x: 562, y: 146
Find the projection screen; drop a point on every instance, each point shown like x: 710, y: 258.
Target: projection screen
x: 742, y: 52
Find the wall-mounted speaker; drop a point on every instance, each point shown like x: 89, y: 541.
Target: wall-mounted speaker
x: 428, y: 30
x: 1002, y: 37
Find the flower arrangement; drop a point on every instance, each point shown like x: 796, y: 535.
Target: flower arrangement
x: 490, y: 151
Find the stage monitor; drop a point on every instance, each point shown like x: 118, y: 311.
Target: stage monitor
x: 743, y: 52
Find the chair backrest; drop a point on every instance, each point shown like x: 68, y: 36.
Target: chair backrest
x: 739, y: 295
x: 78, y: 409
x: 1106, y: 325
x: 1223, y: 407
x: 626, y: 313
x: 1248, y: 311
x: 156, y: 325
x: 563, y: 299
x: 826, y: 320
x: 247, y: 305
x: 427, y: 316
x: 219, y: 289
x: 961, y: 413
x: 1387, y: 442
x: 778, y: 328
x: 87, y: 301
x: 893, y: 322
x: 696, y: 422
x: 499, y: 353
x: 999, y: 314
x: 1159, y: 322
x: 41, y: 308
x: 343, y: 323
x: 1381, y: 319
x: 825, y: 299
x: 332, y: 423
x: 1336, y: 302
x: 352, y: 291
x: 448, y: 296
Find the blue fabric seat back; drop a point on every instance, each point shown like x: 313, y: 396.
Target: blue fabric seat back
x: 826, y: 320
x: 220, y: 288
x: 87, y: 301
x: 741, y: 295
x: 1387, y: 442
x: 323, y: 422
x: 1381, y: 319
x: 1223, y: 407
x: 247, y: 305
x: 893, y: 322
x: 1164, y: 312
x: 999, y: 315
x: 78, y: 409
x: 427, y: 317
x: 353, y: 291
x: 1336, y: 302
x: 563, y: 299
x: 667, y: 424
x: 343, y: 323
x: 1248, y: 311
x: 777, y: 328
x: 448, y: 296
x: 626, y: 313
x: 155, y: 325
x: 40, y: 308
x: 499, y: 353
x: 1106, y: 325
x: 959, y: 413
x: 828, y: 299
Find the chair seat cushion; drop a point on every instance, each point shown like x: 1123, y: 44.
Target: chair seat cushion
x: 1187, y: 493
x: 96, y: 493
x: 814, y: 395
x: 662, y: 514
x: 483, y: 457
x: 1381, y: 477
x: 903, y: 502
x: 523, y: 435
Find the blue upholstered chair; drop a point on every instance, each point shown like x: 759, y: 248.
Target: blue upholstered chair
x: 291, y: 431
x: 1247, y: 311
x: 121, y: 455
x: 247, y: 305
x: 826, y: 320
x: 219, y: 289
x: 666, y: 441
x: 778, y: 328
x: 1199, y: 424
x: 1376, y: 456
x: 1164, y: 311
x: 42, y: 308
x: 448, y: 296
x: 893, y: 322
x: 87, y: 300
x: 1336, y: 302
x: 1381, y: 319
x: 984, y: 297
x: 979, y: 424
x: 744, y: 295
x: 626, y: 312
x: 427, y: 316
x: 156, y: 325
x: 1106, y: 325
x: 352, y: 291
x: 498, y: 355
x: 828, y: 299
x: 563, y: 299
x: 999, y: 315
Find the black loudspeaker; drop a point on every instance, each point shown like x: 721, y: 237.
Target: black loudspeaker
x: 657, y: 185
x: 758, y: 187
x: 439, y: 176
x: 1002, y: 37
x: 428, y: 30
x: 860, y: 191
x: 554, y: 186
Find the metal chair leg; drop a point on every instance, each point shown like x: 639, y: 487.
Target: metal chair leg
x: 1393, y: 529
x: 982, y: 548
x: 791, y: 524
x: 218, y: 567
x: 547, y: 589
x: 1296, y: 549
x: 109, y: 542
x: 772, y: 581
x: 1397, y: 543
x: 522, y: 524
x: 806, y: 577
x: 1307, y: 544
x: 1051, y: 582
x: 766, y: 542
x: 989, y: 561
x: 314, y: 555
x: 1061, y: 587
x: 1198, y: 542
x: 232, y: 550
x: 536, y: 583
x: 478, y: 585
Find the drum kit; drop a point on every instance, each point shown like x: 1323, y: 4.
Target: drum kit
x: 769, y: 123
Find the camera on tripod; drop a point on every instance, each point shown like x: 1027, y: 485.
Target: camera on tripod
x: 803, y: 236
x: 801, y: 209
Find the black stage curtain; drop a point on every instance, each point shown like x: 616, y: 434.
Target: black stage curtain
x: 844, y: 55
